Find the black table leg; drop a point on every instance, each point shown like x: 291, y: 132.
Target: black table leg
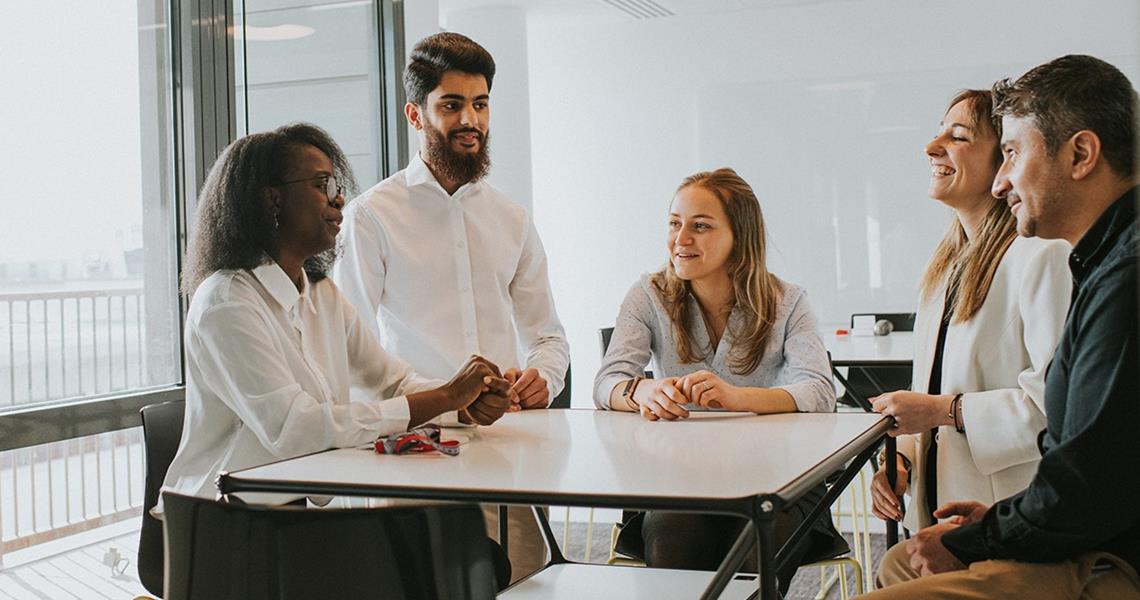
x: 892, y: 476
x: 766, y: 557
x: 556, y: 556
x: 732, y: 561
x: 504, y: 530
x: 860, y: 400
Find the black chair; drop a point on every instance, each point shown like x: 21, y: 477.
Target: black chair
x: 562, y: 400
x: 162, y: 431
x: 866, y: 382
x: 230, y: 551
x: 604, y: 335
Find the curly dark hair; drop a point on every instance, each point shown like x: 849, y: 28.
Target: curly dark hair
x: 441, y: 52
x: 235, y: 228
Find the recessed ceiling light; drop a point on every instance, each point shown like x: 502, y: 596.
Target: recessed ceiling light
x: 275, y: 33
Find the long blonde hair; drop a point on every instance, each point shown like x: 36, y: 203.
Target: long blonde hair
x: 968, y: 265
x: 755, y: 290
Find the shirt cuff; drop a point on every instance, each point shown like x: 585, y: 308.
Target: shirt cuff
x: 967, y: 543
x: 804, y: 395
x: 451, y: 419
x: 394, y: 415
x: 605, y: 388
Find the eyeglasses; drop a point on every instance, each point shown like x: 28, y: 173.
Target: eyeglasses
x: 332, y: 188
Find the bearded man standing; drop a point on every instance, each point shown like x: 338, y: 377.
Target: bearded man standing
x: 434, y: 250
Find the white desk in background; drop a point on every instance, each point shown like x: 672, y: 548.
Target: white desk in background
x: 864, y: 352
x: 728, y: 463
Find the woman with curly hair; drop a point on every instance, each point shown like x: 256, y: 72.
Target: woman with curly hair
x: 272, y: 348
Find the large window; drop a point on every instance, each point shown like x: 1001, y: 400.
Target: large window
x: 315, y: 61
x: 88, y: 259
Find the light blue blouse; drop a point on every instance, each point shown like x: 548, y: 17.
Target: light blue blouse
x: 795, y: 358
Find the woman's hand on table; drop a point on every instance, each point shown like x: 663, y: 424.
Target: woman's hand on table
x: 661, y: 399
x: 885, y: 503
x: 705, y: 388
x: 914, y: 412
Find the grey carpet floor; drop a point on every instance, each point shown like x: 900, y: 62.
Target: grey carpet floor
x: 805, y: 585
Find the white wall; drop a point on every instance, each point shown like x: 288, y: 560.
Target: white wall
x: 503, y: 32
x: 823, y: 108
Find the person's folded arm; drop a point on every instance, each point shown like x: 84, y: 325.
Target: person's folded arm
x: 247, y: 370
x: 381, y: 374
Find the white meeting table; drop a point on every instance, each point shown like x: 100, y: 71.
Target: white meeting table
x: 729, y: 463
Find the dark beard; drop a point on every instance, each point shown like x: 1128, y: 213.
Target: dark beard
x: 454, y: 166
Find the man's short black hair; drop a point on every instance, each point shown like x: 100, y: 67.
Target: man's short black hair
x: 439, y: 53
x: 1072, y: 93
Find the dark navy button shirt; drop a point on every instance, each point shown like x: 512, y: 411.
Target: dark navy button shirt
x: 1085, y: 496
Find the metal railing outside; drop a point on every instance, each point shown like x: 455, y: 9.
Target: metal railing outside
x: 56, y: 345
x: 59, y: 489
x: 66, y: 344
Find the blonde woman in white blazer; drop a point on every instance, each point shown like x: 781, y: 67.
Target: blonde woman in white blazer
x: 1009, y: 298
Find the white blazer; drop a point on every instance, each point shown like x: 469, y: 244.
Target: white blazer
x: 997, y: 360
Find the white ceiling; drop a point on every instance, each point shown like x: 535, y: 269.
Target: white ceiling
x: 626, y: 8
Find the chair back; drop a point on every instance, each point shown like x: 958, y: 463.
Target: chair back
x: 562, y: 400
x: 222, y: 551
x: 604, y: 336
x: 162, y: 432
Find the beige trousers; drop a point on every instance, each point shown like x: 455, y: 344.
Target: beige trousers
x: 525, y: 546
x: 1071, y: 579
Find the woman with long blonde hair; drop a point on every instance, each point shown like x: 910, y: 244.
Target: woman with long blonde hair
x: 991, y: 310
x: 723, y: 333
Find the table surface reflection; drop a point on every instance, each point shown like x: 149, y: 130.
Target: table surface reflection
x: 587, y: 458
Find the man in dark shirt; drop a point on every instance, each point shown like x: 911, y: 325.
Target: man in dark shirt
x: 1069, y: 171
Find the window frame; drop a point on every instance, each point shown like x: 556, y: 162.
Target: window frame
x: 204, y: 120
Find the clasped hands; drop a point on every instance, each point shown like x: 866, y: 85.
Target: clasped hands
x: 479, y: 392
x: 666, y: 398
x: 482, y: 394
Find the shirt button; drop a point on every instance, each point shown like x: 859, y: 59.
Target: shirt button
x: 465, y: 288
x: 459, y: 245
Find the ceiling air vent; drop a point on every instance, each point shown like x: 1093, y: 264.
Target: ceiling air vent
x: 640, y: 9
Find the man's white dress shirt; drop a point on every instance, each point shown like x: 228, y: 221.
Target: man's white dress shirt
x: 268, y: 371
x: 448, y: 276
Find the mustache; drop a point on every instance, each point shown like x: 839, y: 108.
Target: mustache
x: 462, y: 130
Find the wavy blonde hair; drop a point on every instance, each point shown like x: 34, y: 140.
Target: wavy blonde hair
x: 968, y: 265
x: 756, y: 291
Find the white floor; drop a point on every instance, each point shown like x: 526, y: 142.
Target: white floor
x: 83, y: 572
